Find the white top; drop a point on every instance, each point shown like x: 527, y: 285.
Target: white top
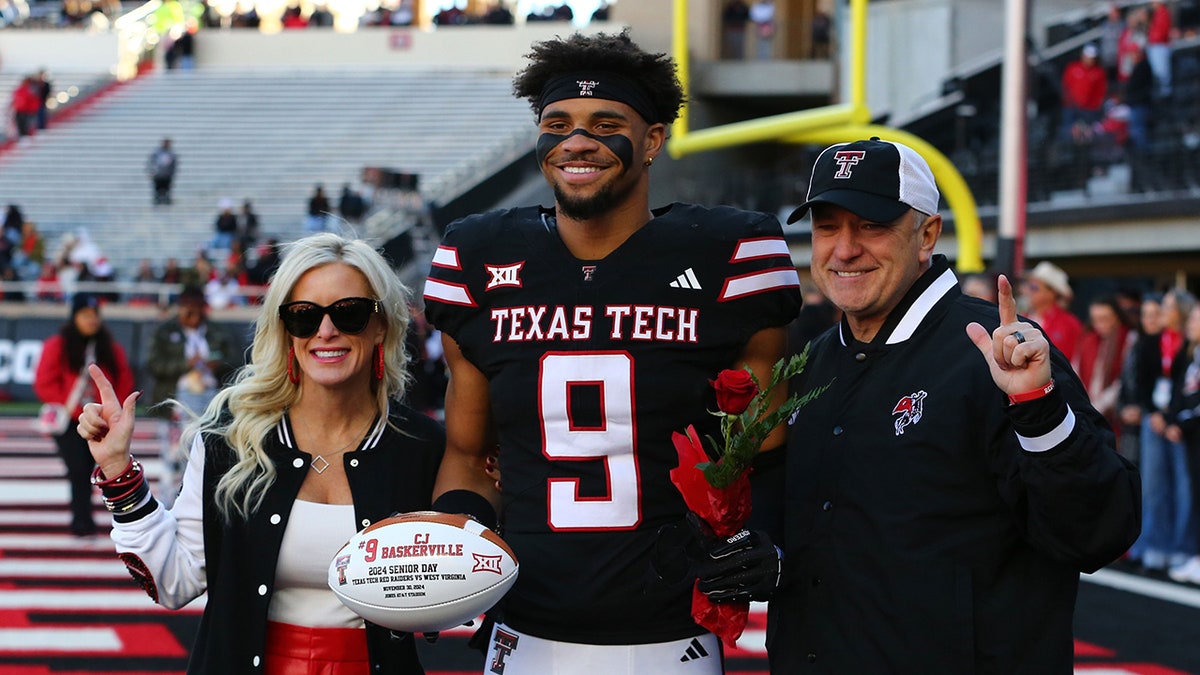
x: 302, y: 597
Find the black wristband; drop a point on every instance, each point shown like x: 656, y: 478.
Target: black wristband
x: 471, y: 503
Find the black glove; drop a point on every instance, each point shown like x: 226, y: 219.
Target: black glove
x: 739, y: 568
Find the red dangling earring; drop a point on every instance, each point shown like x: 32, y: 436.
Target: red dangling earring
x: 293, y: 376
x: 379, y: 370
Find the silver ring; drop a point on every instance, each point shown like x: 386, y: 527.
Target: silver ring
x: 1020, y: 338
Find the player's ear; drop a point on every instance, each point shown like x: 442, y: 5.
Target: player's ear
x: 656, y: 139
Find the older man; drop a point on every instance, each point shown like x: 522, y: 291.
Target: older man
x: 945, y: 492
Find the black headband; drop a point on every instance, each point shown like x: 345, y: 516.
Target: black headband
x: 598, y: 84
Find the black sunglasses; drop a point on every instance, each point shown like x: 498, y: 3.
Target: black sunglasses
x: 349, y: 315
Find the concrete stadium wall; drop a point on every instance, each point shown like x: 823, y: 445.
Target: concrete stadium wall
x: 25, y: 51
x: 499, y: 47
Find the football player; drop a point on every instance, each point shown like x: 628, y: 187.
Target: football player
x: 578, y: 338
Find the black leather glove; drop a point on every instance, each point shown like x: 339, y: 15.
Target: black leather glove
x: 742, y: 567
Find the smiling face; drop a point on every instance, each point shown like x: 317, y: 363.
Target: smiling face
x: 331, y: 358
x: 592, y: 153
x: 864, y: 267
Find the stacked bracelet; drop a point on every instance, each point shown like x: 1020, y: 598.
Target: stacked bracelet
x: 126, y: 491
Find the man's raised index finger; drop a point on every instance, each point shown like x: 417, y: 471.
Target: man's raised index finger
x: 1004, y: 298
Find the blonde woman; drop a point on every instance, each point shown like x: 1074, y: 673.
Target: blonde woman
x: 307, y: 446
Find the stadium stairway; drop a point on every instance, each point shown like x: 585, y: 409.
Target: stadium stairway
x: 266, y: 135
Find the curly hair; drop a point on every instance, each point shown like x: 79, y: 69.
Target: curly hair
x: 604, y: 52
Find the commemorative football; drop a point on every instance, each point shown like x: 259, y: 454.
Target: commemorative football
x: 422, y: 571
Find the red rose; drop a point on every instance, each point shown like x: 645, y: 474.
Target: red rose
x: 735, y: 390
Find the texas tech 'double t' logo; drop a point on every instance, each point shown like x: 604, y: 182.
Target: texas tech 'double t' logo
x: 846, y: 159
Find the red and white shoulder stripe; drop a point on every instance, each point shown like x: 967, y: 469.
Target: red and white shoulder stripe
x: 446, y: 257
x: 782, y: 275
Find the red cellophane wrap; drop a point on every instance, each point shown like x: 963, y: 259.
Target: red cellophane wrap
x: 725, y: 511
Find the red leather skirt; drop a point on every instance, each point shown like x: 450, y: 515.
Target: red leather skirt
x: 300, y: 650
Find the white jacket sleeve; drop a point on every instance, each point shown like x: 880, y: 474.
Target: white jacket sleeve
x: 164, y: 551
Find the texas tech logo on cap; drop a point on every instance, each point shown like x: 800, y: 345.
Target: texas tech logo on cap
x: 846, y: 159
x: 874, y: 179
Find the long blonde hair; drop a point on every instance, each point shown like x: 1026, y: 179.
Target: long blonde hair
x: 247, y: 410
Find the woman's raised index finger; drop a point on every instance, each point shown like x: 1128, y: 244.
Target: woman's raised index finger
x: 1004, y: 298
x: 107, y: 393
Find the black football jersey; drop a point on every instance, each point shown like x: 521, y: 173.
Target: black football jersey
x: 592, y: 364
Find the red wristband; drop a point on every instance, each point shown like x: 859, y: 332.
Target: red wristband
x: 1027, y: 396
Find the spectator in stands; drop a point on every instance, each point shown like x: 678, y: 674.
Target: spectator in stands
x: 44, y: 88
x: 762, y: 14
x: 318, y: 210
x: 183, y: 48
x: 189, y: 356
x: 498, y: 14
x: 1168, y: 526
x: 1110, y: 40
x: 25, y: 106
x: 1047, y: 292
x: 236, y: 258
x: 201, y: 271
x: 455, y: 15
x: 62, y: 378
x: 32, y: 251
x: 1102, y: 354
x: 265, y: 263
x: 1139, y: 96
x: 248, y: 225
x: 351, y: 204
x: 1084, y: 89
x: 46, y: 286
x: 1158, y: 46
x: 224, y: 290
x: 226, y: 225
x: 13, y: 220
x: 161, y: 168
x: 1149, y: 325
x: 101, y: 271
x: 423, y: 343
x: 1184, y: 425
x: 293, y: 17
x: 601, y: 13
x: 982, y: 286
x: 171, y: 274
x: 145, y: 275
x: 822, y: 34
x: 10, y: 290
x: 734, y: 18
x: 1132, y: 38
x: 402, y: 15
x: 320, y: 17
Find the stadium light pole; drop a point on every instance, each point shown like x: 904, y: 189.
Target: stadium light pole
x: 1010, y: 237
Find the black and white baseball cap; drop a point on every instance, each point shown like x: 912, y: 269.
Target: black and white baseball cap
x: 878, y: 180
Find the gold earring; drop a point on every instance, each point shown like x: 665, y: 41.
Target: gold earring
x: 649, y: 161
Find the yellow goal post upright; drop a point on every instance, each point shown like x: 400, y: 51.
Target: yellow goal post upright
x: 836, y: 123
